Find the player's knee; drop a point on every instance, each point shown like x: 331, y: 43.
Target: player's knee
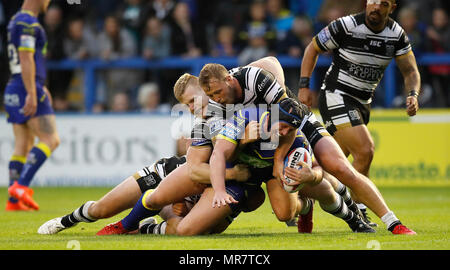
x: 284, y: 215
x: 365, y: 154
x: 155, y: 201
x: 185, y: 230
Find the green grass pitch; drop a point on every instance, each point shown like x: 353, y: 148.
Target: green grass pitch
x: 425, y: 209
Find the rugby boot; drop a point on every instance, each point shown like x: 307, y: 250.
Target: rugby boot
x: 359, y: 226
x: 52, y: 226
x: 23, y: 194
x: 115, y: 228
x: 305, y: 222
x: 366, y: 218
x: 16, y: 206
x: 402, y: 229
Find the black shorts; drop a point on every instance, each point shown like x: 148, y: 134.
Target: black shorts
x: 340, y: 111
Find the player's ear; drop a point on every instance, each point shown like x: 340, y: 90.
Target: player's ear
x: 394, y: 6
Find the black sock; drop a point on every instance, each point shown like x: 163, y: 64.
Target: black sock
x: 79, y: 215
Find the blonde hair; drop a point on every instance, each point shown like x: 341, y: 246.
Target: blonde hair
x: 211, y: 71
x: 181, y: 84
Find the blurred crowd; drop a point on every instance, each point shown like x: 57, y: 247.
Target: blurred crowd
x: 245, y: 29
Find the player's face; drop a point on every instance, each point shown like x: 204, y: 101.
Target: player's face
x: 195, y: 98
x: 281, y: 129
x: 377, y: 11
x: 221, y: 91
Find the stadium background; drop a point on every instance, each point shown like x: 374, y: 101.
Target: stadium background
x: 112, y: 65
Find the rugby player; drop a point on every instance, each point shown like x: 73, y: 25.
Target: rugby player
x: 28, y: 103
x: 259, y: 155
x: 251, y: 85
x: 363, y: 45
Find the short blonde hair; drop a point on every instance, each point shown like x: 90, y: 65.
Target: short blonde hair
x: 211, y: 71
x: 181, y: 84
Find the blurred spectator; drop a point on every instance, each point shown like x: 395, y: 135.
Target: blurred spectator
x: 187, y: 39
x: 225, y: 45
x: 257, y: 33
x: 297, y: 38
x: 99, y: 108
x: 120, y: 102
x: 407, y: 18
x: 80, y: 43
x: 116, y: 43
x: 149, y: 99
x: 58, y: 80
x: 280, y: 18
x: 438, y: 35
x: 132, y: 17
x: 161, y: 9
x: 156, y: 39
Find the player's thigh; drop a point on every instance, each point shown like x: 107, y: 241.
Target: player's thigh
x: 23, y: 135
x: 356, y: 139
x: 203, y: 217
x: 283, y: 203
x: 332, y: 159
x: 272, y: 65
x: 173, y: 188
x: 122, y: 197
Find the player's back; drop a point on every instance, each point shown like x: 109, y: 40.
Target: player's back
x: 25, y: 33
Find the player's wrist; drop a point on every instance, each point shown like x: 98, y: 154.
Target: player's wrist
x: 303, y: 82
x: 413, y: 93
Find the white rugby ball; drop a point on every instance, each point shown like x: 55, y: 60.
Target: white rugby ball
x: 291, y: 161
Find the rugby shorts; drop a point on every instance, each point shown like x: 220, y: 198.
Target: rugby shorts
x: 340, y: 111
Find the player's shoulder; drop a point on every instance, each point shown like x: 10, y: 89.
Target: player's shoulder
x: 350, y: 22
x: 394, y: 28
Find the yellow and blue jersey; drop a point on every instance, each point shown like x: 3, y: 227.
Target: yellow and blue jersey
x: 258, y: 155
x: 25, y: 33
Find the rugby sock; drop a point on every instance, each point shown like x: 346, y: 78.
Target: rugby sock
x: 15, y: 167
x: 79, y: 215
x: 343, y: 191
x: 339, y: 209
x: 390, y: 220
x: 36, y: 157
x: 138, y: 213
x: 361, y: 206
x: 306, y: 206
x: 154, y: 228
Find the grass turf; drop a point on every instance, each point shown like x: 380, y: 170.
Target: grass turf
x: 424, y: 209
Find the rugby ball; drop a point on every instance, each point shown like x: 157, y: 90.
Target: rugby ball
x: 291, y: 161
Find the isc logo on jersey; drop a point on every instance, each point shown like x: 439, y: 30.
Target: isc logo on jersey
x: 291, y: 161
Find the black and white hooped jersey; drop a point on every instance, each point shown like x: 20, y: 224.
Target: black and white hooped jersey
x: 360, y: 56
x: 205, y: 129
x: 259, y: 86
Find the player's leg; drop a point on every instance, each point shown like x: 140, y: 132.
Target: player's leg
x: 22, y: 138
x: 44, y: 127
x: 334, y: 204
x: 175, y: 187
x: 332, y: 160
x: 203, y: 218
x: 286, y: 206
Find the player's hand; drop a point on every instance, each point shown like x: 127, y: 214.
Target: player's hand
x: 278, y: 172
x: 241, y: 172
x: 412, y: 105
x: 251, y: 133
x: 222, y: 198
x: 30, y: 107
x: 180, y: 209
x: 302, y: 176
x: 305, y: 96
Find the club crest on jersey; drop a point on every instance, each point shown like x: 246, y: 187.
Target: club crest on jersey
x: 354, y: 115
x: 390, y: 50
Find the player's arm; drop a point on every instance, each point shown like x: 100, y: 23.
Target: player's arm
x: 199, y: 169
x: 309, y: 62
x: 28, y: 67
x: 223, y: 150
x: 408, y: 67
